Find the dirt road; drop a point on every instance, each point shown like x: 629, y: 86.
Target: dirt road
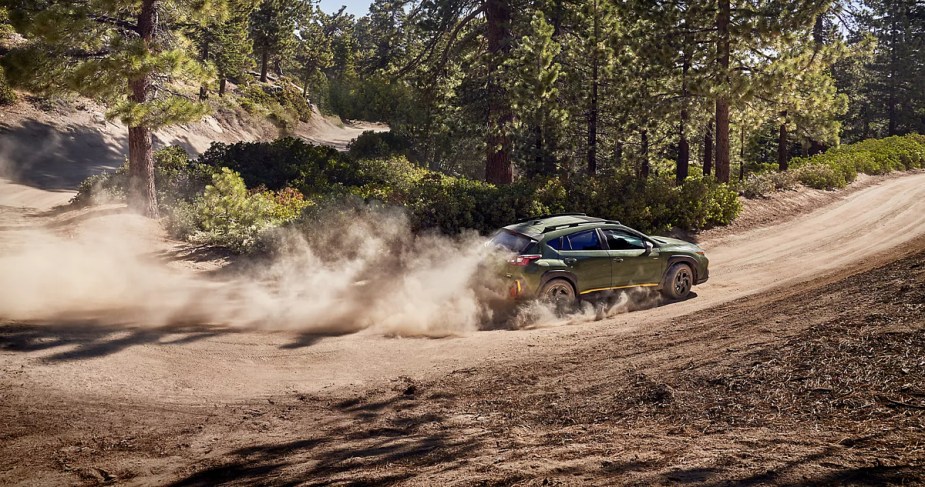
x: 160, y: 384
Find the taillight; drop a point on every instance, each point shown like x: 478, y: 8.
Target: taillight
x: 522, y: 260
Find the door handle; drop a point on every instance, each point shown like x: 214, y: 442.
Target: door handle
x: 570, y: 260
x: 617, y: 259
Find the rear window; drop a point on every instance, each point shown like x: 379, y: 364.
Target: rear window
x: 511, y: 241
x: 585, y: 241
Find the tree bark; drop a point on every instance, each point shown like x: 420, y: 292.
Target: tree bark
x: 222, y: 85
x: 708, y: 150
x: 782, y: 150
x: 498, y: 167
x: 684, y: 148
x: 618, y: 154
x: 142, y: 196
x: 264, y: 63
x: 592, y: 105
x: 722, y: 101
x: 644, y: 150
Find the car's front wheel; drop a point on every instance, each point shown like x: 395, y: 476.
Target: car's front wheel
x: 678, y: 282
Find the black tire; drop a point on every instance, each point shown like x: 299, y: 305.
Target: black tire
x: 678, y: 282
x: 560, y: 293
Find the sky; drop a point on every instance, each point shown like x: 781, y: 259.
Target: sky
x: 355, y: 7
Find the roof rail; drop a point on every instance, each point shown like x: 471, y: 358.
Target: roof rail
x: 577, y: 224
x: 541, y: 217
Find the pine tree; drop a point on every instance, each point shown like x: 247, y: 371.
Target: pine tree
x: 130, y: 55
x: 532, y: 75
x: 272, y: 29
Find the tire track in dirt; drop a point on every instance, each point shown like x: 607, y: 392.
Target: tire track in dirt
x: 197, y: 366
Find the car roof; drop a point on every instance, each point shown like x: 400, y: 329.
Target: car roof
x: 536, y: 227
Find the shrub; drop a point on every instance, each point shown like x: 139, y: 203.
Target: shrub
x: 378, y: 145
x: 821, y: 176
x: 228, y: 215
x: 287, y: 161
x: 283, y: 103
x: 871, y: 156
x: 103, y: 188
x: 176, y: 178
x: 7, y: 95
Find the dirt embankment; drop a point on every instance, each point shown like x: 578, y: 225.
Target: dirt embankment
x: 47, y: 149
x: 800, y: 361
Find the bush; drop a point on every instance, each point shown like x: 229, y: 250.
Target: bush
x: 821, y: 176
x: 176, y: 178
x: 378, y: 145
x: 839, y: 166
x: 288, y: 161
x: 7, y: 95
x: 228, y: 215
x: 283, y: 103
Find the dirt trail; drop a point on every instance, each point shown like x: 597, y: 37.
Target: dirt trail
x: 196, y: 366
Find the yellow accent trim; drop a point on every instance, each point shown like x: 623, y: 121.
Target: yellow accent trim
x: 617, y: 287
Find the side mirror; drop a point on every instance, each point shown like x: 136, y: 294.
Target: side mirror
x: 649, y: 246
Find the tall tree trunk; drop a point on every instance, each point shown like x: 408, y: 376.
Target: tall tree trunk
x: 892, y: 125
x: 722, y: 101
x: 142, y: 196
x: 742, y: 152
x: 498, y: 167
x: 782, y: 150
x: 264, y: 63
x: 618, y: 154
x: 592, y: 105
x: 644, y: 150
x: 708, y: 150
x: 684, y: 148
x: 222, y: 85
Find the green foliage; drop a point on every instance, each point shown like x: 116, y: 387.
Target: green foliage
x: 7, y: 95
x: 762, y: 184
x: 284, y: 162
x: 371, y: 145
x: 283, y: 103
x: 839, y: 166
x: 176, y: 179
x: 228, y: 215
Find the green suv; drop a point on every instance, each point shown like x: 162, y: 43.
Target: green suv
x: 567, y: 257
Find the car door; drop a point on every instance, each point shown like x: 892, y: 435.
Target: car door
x: 584, y: 252
x: 633, y: 264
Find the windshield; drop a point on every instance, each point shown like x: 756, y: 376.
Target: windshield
x: 511, y: 241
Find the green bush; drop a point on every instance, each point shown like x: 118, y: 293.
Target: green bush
x: 839, y: 166
x: 7, y: 95
x: 378, y: 145
x: 283, y: 103
x: 228, y: 215
x: 176, y: 178
x: 288, y: 161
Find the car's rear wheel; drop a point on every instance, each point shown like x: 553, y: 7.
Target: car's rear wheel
x: 678, y: 282
x: 560, y: 293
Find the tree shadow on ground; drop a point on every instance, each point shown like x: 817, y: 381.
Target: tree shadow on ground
x: 87, y: 339
x: 381, y: 442
x: 56, y: 158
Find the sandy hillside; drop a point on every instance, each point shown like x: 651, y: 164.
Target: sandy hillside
x: 46, y: 152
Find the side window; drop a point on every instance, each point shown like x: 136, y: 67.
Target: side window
x: 620, y: 240
x: 558, y: 244
x: 586, y: 240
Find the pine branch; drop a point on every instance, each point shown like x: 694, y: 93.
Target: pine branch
x: 102, y: 19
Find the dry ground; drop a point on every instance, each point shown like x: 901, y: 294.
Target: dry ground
x: 801, y: 362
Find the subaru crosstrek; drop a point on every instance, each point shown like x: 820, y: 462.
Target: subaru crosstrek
x: 568, y: 257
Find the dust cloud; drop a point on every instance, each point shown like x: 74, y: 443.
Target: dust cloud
x: 348, y: 271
